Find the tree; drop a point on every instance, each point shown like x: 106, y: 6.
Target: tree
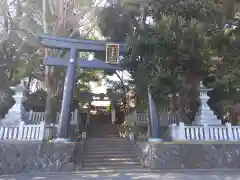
x: 122, y: 92
x: 33, y: 17
x: 16, y: 52
x: 168, y: 44
x: 226, y: 75
x: 62, y: 18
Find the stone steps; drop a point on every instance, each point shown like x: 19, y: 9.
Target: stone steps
x: 108, y: 145
x: 111, y: 158
x: 114, y: 152
x: 116, y: 140
x: 106, y: 150
x: 111, y: 165
x: 99, y: 130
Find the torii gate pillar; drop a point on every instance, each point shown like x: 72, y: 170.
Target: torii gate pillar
x: 67, y: 94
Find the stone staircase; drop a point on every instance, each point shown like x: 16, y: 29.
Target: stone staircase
x: 105, y: 150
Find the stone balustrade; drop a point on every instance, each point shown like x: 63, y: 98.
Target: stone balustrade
x: 206, y: 132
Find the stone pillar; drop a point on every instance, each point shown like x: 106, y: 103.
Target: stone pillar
x: 113, y: 114
x: 205, y: 114
x: 17, y: 113
x: 154, y: 122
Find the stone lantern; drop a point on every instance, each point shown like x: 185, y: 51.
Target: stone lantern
x: 205, y: 115
x: 17, y: 113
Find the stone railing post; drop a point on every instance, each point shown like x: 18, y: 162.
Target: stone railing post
x: 113, y: 115
x: 206, y: 131
x: 20, y: 131
x: 229, y: 131
x: 181, y: 131
x: 174, y: 131
x: 30, y: 115
x: 17, y: 113
x: 131, y: 136
x: 75, y: 119
x: 42, y: 132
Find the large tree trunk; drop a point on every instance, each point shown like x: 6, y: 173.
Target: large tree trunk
x: 229, y: 8
x: 188, y: 105
x: 50, y: 111
x: 50, y: 99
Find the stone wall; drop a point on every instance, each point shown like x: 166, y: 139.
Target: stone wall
x: 189, y: 156
x: 32, y: 157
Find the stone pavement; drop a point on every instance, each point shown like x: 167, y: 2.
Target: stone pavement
x: 161, y: 175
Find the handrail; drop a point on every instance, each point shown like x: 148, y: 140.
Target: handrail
x: 82, y: 147
x: 81, y: 163
x: 75, y: 155
x: 79, y: 149
x: 79, y: 153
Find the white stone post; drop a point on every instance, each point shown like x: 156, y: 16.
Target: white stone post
x: 43, y: 135
x: 76, y: 115
x: 17, y: 113
x: 20, y: 131
x: 174, y: 131
x: 113, y: 114
x: 131, y: 136
x: 229, y: 131
x: 206, y: 131
x: 181, y: 131
x: 30, y: 115
x: 205, y: 114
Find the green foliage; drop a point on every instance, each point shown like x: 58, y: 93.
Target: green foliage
x: 173, y: 44
x: 224, y: 76
x: 140, y: 131
x: 167, y: 41
x: 19, y: 57
x: 29, y: 20
x: 116, y: 20
x: 108, y: 108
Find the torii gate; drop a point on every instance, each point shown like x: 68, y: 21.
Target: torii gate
x: 76, y: 45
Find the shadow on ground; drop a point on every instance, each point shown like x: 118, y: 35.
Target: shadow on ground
x: 198, y: 175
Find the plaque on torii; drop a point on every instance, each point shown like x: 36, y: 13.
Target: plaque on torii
x: 112, y: 53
